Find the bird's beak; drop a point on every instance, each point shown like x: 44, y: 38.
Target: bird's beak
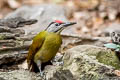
x: 64, y: 25
x: 68, y: 24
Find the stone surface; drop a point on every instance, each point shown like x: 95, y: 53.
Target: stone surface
x: 52, y: 73
x: 56, y: 73
x: 19, y: 75
x: 16, y: 22
x: 83, y: 61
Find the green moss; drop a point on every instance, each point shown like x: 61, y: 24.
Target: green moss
x: 84, y: 62
x: 108, y: 58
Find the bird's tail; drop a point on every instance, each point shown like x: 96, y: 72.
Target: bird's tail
x: 34, y: 67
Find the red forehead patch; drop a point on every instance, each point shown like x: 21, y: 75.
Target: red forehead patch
x: 58, y: 21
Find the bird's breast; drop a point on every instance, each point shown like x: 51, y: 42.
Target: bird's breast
x: 50, y: 47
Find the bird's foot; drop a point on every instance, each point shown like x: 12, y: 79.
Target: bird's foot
x: 42, y: 74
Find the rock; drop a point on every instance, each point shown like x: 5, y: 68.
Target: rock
x: 53, y: 73
x: 57, y: 73
x: 44, y: 13
x: 87, y: 62
x: 113, y: 27
x: 83, y: 62
x: 62, y: 75
x: 10, y: 58
x: 16, y: 22
x: 19, y: 75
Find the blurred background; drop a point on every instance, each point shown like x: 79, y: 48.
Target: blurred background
x: 93, y: 17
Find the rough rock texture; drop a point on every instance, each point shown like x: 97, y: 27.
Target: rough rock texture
x: 16, y: 22
x: 56, y: 73
x: 82, y: 63
x: 43, y: 13
x: 52, y: 73
x: 11, y: 57
x: 19, y: 75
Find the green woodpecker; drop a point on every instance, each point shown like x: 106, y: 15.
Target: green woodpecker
x: 46, y: 44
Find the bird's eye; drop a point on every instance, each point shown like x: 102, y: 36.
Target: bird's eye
x: 57, y: 24
x: 113, y: 33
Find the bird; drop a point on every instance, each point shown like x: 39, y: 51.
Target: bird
x: 45, y: 45
x: 115, y: 37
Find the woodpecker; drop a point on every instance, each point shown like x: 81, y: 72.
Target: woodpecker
x: 46, y: 44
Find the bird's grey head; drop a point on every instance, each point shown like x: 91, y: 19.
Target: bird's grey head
x: 57, y: 26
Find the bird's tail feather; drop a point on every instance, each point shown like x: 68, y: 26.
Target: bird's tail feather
x: 34, y: 67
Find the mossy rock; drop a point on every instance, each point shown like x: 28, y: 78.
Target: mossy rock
x: 88, y: 62
x: 109, y: 58
x: 101, y: 54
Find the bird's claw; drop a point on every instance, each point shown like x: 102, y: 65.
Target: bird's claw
x: 41, y: 74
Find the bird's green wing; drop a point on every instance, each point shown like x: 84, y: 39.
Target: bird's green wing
x: 35, y: 46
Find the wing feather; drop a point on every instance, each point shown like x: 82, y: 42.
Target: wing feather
x: 35, y: 46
